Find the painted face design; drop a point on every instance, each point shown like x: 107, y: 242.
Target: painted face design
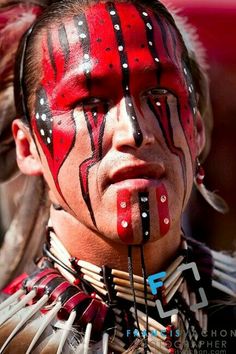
x: 94, y: 66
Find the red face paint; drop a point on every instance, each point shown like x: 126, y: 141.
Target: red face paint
x: 99, y: 55
x: 163, y: 209
x: 124, y: 219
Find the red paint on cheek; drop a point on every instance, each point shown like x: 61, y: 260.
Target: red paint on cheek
x: 124, y: 221
x: 163, y: 209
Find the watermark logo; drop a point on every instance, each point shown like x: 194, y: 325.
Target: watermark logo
x: 155, y: 283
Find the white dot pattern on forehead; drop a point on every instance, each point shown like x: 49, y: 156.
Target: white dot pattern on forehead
x: 144, y: 215
x: 48, y: 140
x: 158, y: 103
x: 146, y: 233
x: 42, y: 132
x: 82, y: 35
x: 157, y: 60
x: 120, y: 48
x: 130, y: 104
x: 150, y: 43
x: 80, y: 23
x: 86, y: 56
x: 44, y: 117
x: 37, y: 115
x: 133, y: 117
x: 125, y: 65
x: 145, y: 14
x: 185, y: 71
x: 112, y: 13
x: 41, y: 101
x: 149, y: 25
x: 117, y: 27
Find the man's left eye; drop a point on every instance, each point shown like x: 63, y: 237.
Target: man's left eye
x: 157, y: 92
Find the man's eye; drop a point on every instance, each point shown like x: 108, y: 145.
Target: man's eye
x: 157, y: 92
x: 91, y: 101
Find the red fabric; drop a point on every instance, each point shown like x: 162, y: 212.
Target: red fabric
x: 15, y: 285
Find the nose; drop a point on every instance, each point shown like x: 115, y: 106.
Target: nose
x: 132, y: 129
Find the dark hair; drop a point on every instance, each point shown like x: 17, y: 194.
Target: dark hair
x: 27, y: 70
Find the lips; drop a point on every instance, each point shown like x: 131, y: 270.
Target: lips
x: 137, y: 175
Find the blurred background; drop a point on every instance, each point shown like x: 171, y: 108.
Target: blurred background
x: 215, y: 21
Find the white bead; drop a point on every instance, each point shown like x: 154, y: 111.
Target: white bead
x: 120, y: 48
x: 37, y: 115
x: 123, y: 205
x: 145, y: 14
x: 163, y: 198
x: 149, y: 25
x: 82, y: 35
x: 124, y: 224
x: 117, y: 27
x: 112, y: 12
x: 80, y: 23
x: 144, y: 199
x: 166, y: 221
x: 41, y: 101
x: 125, y: 65
x: 43, y: 116
x: 42, y: 132
x: 48, y: 140
x: 144, y: 215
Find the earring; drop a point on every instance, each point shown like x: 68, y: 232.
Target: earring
x: 212, y: 198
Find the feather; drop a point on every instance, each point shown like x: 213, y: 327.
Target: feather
x: 29, y: 313
x: 67, y: 328
x: 11, y: 299
x: 87, y: 338
x: 212, y: 198
x: 105, y: 341
x: 27, y: 298
x: 45, y: 322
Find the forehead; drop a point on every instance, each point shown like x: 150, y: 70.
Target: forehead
x: 110, y: 42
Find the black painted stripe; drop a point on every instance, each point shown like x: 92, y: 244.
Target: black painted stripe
x: 144, y: 214
x: 51, y: 55
x: 64, y: 43
x: 137, y: 133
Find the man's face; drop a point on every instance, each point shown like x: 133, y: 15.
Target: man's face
x: 114, y: 121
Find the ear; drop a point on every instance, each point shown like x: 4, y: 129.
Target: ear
x: 200, y: 133
x: 26, y: 152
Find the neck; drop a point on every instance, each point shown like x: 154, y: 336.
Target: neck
x: 87, y: 245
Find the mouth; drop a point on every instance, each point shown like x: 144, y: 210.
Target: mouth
x: 139, y: 176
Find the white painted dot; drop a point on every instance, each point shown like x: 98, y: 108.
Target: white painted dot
x: 124, y: 224
x: 42, y: 132
x: 146, y: 233
x: 87, y: 71
x: 82, y: 35
x: 144, y: 199
x: 190, y: 89
x: 185, y: 71
x: 86, y: 56
x: 48, y: 140
x: 158, y: 103
x: 43, y: 116
x: 80, y: 23
x: 149, y: 26
x: 145, y: 14
x: 51, y: 119
x: 120, y: 48
x: 144, y: 215
x: 94, y: 114
x: 117, y: 27
x: 112, y: 12
x: 157, y: 60
x: 123, y: 205
x: 194, y: 110
x: 130, y: 105
x: 125, y: 65
x: 166, y: 221
x: 163, y: 198
x: 127, y: 88
x: 150, y: 43
x: 41, y: 101
x: 50, y: 131
x: 37, y: 115
x: 133, y: 118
